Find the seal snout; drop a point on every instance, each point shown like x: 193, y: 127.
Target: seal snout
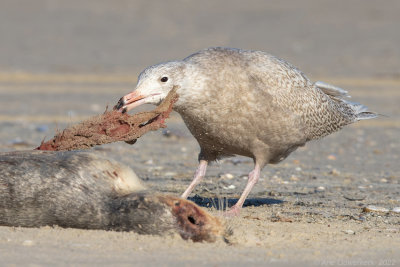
x: 193, y: 222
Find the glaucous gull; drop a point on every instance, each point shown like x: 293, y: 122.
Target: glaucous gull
x: 249, y: 103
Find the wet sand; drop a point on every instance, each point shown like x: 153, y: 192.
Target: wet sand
x: 308, y: 208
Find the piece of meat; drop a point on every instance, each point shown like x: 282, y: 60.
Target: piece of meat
x: 112, y: 126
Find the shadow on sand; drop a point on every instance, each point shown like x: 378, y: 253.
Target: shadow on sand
x: 223, y: 203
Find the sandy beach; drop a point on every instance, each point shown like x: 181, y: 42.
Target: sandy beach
x: 64, y: 61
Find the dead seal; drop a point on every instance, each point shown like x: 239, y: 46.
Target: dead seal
x: 83, y: 190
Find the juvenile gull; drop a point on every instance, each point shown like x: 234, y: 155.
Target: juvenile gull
x: 249, y: 103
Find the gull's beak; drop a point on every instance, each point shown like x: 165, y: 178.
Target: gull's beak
x: 130, y: 101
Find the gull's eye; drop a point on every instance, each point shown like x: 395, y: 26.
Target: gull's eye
x: 164, y: 79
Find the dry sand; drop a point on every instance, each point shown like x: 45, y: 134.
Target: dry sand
x: 308, y: 209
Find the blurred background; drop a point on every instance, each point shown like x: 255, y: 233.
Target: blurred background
x: 323, y: 38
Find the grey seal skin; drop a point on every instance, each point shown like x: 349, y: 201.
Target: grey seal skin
x: 243, y: 102
x: 82, y: 190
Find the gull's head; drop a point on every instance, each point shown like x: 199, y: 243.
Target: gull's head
x: 154, y: 84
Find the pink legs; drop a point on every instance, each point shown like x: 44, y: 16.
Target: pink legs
x: 254, y: 175
x: 200, y: 172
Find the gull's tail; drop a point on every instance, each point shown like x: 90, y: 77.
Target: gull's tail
x: 359, y: 111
